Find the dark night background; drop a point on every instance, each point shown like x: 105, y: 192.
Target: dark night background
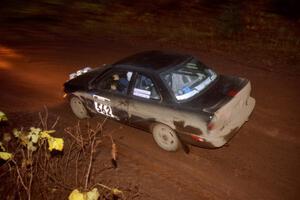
x: 43, y: 41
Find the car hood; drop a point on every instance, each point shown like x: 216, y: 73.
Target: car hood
x: 81, y: 83
x: 218, y: 94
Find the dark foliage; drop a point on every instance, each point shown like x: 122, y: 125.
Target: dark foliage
x: 214, y: 3
x: 230, y: 21
x: 287, y: 8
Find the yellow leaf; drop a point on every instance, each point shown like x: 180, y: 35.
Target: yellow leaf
x: 35, y: 138
x: 116, y: 192
x: 49, y: 131
x: 55, y: 143
x: 31, y: 147
x: 17, y: 133
x: 5, y: 155
x: 2, y: 116
x: 93, y: 194
x: 76, y: 195
x: 34, y: 130
x: 2, y: 147
x: 45, y: 134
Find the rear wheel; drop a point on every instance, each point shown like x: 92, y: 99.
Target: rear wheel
x: 78, y: 108
x: 165, y: 137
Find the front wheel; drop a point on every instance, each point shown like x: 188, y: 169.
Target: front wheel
x: 165, y: 137
x: 78, y: 108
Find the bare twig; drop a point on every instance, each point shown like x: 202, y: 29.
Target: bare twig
x: 114, y: 191
x: 20, y: 178
x: 54, y: 179
x: 44, y: 119
x: 104, y: 186
x: 68, y: 158
x: 87, y: 176
x: 79, y: 141
x: 76, y: 170
x: 102, y: 124
x: 30, y: 180
x: 55, y: 123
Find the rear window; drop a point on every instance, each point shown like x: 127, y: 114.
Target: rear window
x: 188, y: 80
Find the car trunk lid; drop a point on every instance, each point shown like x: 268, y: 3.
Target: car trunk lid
x: 218, y: 94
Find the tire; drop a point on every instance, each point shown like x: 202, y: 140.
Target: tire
x: 165, y: 137
x: 78, y: 108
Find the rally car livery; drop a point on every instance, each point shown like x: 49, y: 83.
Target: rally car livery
x: 174, y: 96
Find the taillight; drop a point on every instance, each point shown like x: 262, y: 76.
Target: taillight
x: 210, y: 126
x: 197, y: 138
x: 232, y: 93
x: 212, y: 123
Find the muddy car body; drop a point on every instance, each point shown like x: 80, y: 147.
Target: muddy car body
x: 173, y: 96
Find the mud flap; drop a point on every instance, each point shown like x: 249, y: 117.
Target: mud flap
x: 185, y: 147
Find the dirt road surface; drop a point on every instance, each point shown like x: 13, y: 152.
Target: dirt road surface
x: 261, y: 162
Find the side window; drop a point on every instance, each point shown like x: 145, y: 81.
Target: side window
x: 116, y: 82
x: 145, y: 88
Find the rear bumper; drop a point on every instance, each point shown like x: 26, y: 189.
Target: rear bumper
x: 222, y: 136
x: 218, y: 138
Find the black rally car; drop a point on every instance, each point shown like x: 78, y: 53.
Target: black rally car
x: 173, y: 96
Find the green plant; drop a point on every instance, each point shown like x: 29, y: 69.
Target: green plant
x: 3, y: 117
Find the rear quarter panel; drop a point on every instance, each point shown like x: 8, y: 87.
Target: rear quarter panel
x: 144, y: 114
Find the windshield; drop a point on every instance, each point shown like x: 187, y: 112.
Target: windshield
x: 188, y: 80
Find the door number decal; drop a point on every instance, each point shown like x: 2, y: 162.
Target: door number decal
x: 102, y: 105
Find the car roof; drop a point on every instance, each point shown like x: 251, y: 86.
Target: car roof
x: 152, y: 60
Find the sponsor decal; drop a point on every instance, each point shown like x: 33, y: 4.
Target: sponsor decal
x: 102, y: 106
x: 141, y: 93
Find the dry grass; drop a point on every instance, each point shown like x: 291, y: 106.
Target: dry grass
x: 43, y: 174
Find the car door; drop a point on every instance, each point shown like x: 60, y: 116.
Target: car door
x: 144, y: 105
x: 110, y: 94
